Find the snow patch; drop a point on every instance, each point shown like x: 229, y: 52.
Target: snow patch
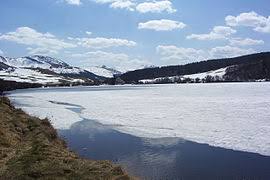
x: 219, y: 72
x: 32, y: 76
x: 103, y: 71
x: 215, y: 73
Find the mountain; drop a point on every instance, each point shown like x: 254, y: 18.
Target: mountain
x: 104, y: 71
x: 44, y: 70
x: 254, y: 67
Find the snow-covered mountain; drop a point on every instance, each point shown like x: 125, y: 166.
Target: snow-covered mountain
x: 42, y: 62
x: 44, y: 70
x: 103, y: 71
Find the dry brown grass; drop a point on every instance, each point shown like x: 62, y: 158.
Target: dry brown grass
x: 31, y: 149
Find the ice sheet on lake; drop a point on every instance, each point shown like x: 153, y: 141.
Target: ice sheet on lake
x: 59, y: 115
x: 234, y: 116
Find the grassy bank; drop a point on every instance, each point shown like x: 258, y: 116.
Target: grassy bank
x: 31, y: 149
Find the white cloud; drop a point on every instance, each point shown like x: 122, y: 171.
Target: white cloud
x: 31, y: 37
x: 180, y: 55
x: 119, y: 61
x: 100, y: 56
x: 218, y: 32
x: 162, y: 25
x: 118, y: 4
x: 104, y: 1
x: 88, y: 33
x: 224, y: 32
x: 155, y: 7
x: 250, y: 19
x: 101, y: 42
x: 41, y: 51
x: 264, y: 29
x: 228, y: 52
x: 1, y: 52
x: 123, y: 5
x: 73, y: 2
x: 141, y: 7
x: 245, y: 42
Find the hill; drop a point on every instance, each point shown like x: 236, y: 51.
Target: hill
x: 44, y: 70
x: 244, y: 68
x: 103, y: 71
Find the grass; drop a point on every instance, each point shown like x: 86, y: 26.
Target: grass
x: 31, y: 149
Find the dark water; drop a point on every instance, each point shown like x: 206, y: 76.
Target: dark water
x: 167, y: 158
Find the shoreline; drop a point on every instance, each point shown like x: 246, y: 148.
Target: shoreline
x: 111, y: 145
x: 31, y: 148
x: 75, y: 116
x: 6, y: 86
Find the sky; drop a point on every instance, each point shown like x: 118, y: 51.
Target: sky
x: 130, y: 34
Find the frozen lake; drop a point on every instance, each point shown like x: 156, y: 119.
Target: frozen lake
x: 233, y: 116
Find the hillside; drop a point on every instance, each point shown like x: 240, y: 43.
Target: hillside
x: 103, y: 71
x: 44, y: 70
x: 31, y: 149
x: 245, y: 68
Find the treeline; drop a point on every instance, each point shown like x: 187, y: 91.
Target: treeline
x: 12, y: 85
x: 248, y: 71
x: 183, y: 80
x: 258, y: 70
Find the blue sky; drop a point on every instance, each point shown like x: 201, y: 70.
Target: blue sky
x: 128, y: 34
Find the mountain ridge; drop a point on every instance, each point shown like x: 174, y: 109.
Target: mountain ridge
x: 44, y: 70
x: 50, y: 71
x: 261, y: 69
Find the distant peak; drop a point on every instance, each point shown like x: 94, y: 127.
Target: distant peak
x: 42, y: 57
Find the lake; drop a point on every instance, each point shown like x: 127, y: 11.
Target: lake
x: 176, y: 131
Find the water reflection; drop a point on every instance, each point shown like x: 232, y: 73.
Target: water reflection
x: 166, y: 158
